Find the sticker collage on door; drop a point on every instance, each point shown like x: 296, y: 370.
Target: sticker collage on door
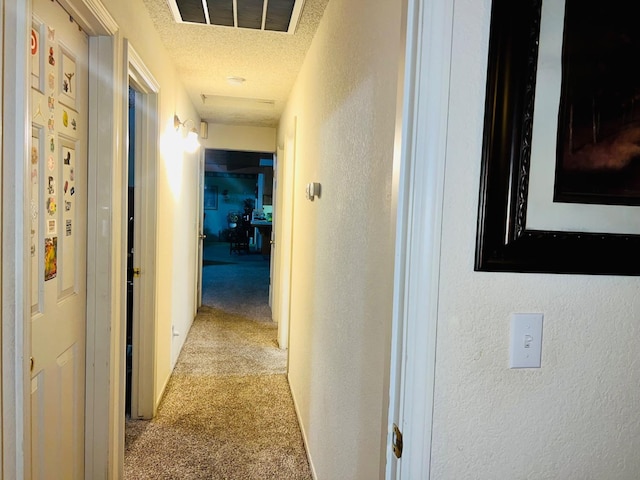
x: 54, y: 121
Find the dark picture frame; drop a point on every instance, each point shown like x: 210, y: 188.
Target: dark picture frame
x: 211, y: 197
x: 503, y: 242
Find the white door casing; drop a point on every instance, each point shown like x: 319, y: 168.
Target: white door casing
x: 272, y: 238
x: 200, y: 230
x: 274, y: 299
x: 16, y: 312
x: 419, y: 169
x: 143, y: 398
x: 58, y: 240
x: 284, y: 244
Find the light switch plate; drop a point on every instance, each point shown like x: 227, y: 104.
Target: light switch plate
x: 526, y: 340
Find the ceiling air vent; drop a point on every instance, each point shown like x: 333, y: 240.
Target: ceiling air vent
x: 222, y: 101
x: 271, y: 15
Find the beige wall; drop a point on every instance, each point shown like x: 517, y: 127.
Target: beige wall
x: 578, y: 417
x: 239, y: 137
x: 344, y: 101
x: 177, y: 190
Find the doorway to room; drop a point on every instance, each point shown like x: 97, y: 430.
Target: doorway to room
x: 140, y: 238
x: 237, y: 224
x: 130, y: 246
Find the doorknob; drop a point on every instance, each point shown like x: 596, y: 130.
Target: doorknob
x: 202, y: 236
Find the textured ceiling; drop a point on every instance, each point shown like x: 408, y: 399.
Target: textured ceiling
x: 205, y: 55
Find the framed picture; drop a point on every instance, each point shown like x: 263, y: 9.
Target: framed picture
x: 547, y: 204
x: 211, y: 197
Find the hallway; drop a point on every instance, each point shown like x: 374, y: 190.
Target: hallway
x: 227, y: 412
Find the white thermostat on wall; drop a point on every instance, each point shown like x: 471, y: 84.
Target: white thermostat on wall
x: 313, y: 190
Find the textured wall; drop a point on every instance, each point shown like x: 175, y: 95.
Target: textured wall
x: 237, y: 137
x: 578, y: 417
x: 177, y: 189
x: 344, y: 100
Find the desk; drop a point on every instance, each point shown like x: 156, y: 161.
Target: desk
x: 264, y: 227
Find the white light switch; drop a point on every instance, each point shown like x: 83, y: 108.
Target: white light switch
x: 526, y: 340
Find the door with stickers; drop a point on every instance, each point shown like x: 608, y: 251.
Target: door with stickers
x: 58, y: 189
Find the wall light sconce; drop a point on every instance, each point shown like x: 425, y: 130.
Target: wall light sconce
x: 191, y: 142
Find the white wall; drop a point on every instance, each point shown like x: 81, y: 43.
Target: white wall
x: 578, y: 417
x: 239, y: 137
x: 177, y: 190
x: 344, y: 100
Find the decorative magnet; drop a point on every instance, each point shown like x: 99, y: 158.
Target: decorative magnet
x: 38, y: 112
x: 51, y: 124
x: 52, y: 144
x: 52, y: 227
x: 71, y: 174
x: 66, y: 186
x: 34, y: 176
x: 51, y: 206
x: 69, y: 72
x: 50, y: 258
x: 51, y: 163
x: 68, y: 227
x: 65, y: 118
x: 67, y: 206
x: 34, y: 42
x: 34, y: 155
x: 52, y: 60
x: 73, y: 190
x: 52, y: 103
x: 51, y: 186
x: 66, y: 84
x: 51, y: 33
x: 73, y: 123
x: 52, y: 81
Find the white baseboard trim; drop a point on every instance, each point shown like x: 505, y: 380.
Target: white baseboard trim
x: 302, y: 430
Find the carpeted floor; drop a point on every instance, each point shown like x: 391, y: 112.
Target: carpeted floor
x: 236, y: 283
x: 227, y: 412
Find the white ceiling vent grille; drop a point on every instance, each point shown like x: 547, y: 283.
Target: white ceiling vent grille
x: 271, y: 15
x: 222, y: 101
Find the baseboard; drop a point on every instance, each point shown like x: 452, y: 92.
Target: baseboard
x: 302, y: 430
x: 160, y: 394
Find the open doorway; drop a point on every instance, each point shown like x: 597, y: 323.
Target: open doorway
x: 237, y: 224
x: 140, y: 378
x: 130, y: 246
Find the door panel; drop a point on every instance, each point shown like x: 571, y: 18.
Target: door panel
x: 58, y: 241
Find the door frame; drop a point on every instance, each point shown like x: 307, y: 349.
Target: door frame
x: 273, y: 279
x: 15, y: 335
x: 104, y: 437
x: 418, y: 183
x: 284, y: 241
x: 200, y: 230
x: 143, y: 385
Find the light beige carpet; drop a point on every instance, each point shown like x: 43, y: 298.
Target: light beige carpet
x: 227, y: 412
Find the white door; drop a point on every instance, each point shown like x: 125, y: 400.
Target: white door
x: 58, y: 180
x: 284, y: 244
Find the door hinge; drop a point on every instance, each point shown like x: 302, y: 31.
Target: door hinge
x: 397, y: 441
x: 136, y: 272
